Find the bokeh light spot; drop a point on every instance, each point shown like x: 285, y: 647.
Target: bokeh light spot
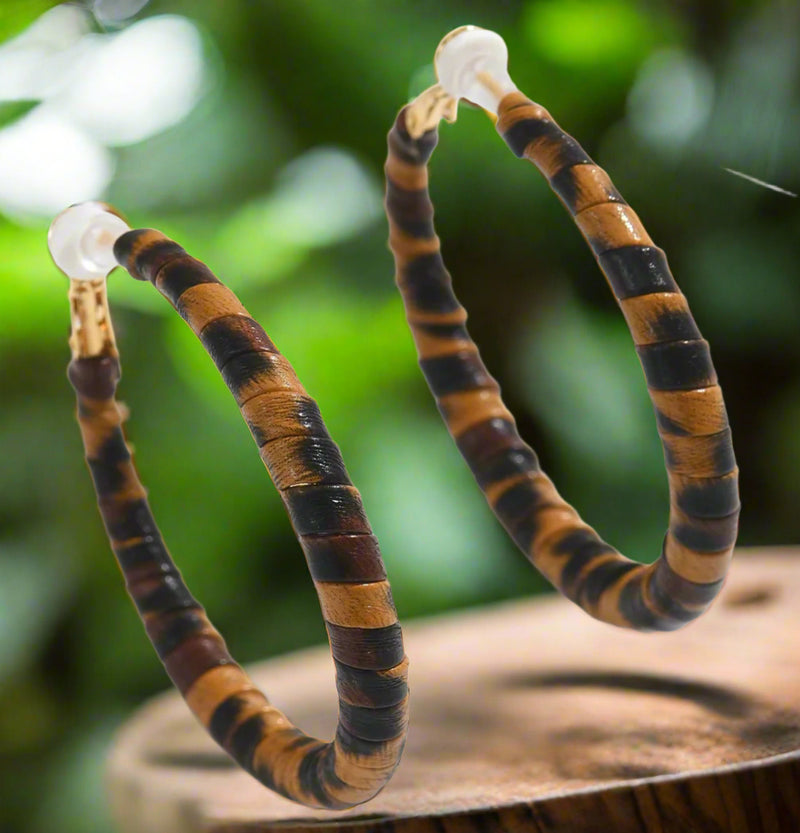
x: 671, y: 99
x: 46, y: 163
x: 137, y: 83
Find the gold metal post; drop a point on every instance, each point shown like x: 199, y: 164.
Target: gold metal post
x: 428, y: 109
x: 91, y: 332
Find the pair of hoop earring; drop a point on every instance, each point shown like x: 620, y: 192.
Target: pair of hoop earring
x: 89, y: 240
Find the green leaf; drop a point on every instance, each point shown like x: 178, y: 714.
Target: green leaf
x: 16, y: 15
x: 11, y: 111
x: 441, y: 543
x: 34, y: 589
x: 580, y: 376
x: 323, y: 197
x: 606, y: 34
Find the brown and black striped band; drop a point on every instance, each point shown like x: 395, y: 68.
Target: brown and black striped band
x: 690, y: 412
x: 328, y: 518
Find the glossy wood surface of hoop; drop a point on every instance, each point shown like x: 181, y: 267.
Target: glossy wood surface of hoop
x: 559, y: 725
x: 329, y: 520
x: 690, y: 413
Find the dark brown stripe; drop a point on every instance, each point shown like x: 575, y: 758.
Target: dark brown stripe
x: 358, y: 746
x: 707, y: 534
x: 240, y: 370
x: 677, y: 365
x: 107, y: 475
x: 412, y: 211
x: 288, y: 458
x: 668, y: 588
x: 504, y: 464
x: 325, y: 510
x: 232, y: 335
x: 225, y: 716
x: 170, y: 595
x: 564, y: 185
x: 369, y: 688
x: 637, y: 270
x: 580, y: 547
x: 148, y: 260
x: 373, y: 724
x: 487, y: 439
x: 245, y: 739
x: 525, y: 131
x: 193, y: 657
x: 312, y: 774
x: 149, y: 551
x: 674, y: 325
x: 456, y: 373
x: 96, y: 377
x: 633, y: 607
x: 413, y: 151
x: 449, y: 332
x: 426, y: 285
x: 599, y: 579
x: 283, y: 413
x: 709, y: 498
x: 127, y: 519
x: 171, y: 630
x: 344, y: 558
x: 516, y: 510
x: 180, y: 274
x: 376, y: 649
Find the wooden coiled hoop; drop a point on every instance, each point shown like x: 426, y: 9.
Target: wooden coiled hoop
x: 690, y: 412
x: 328, y: 518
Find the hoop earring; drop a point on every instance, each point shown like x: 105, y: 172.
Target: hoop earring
x: 87, y: 241
x: 692, y: 421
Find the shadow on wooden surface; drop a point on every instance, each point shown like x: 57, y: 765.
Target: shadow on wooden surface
x: 529, y: 716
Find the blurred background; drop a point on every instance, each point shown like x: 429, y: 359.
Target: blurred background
x: 253, y: 132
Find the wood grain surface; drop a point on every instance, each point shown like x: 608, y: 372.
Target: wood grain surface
x: 529, y: 716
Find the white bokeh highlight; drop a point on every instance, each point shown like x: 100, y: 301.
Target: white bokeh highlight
x: 136, y: 83
x: 46, y: 163
x: 671, y: 99
x: 97, y: 91
x: 40, y: 60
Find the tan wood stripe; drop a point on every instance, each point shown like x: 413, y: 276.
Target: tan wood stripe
x: 285, y: 466
x: 694, y: 566
x: 351, y: 770
x: 465, y: 409
x: 207, y: 302
x: 700, y: 412
x: 278, y: 755
x: 275, y: 413
x: 405, y: 175
x: 608, y: 606
x: 367, y: 605
x: 592, y: 186
x: 431, y: 346
x: 642, y: 312
x: 213, y: 687
x: 415, y: 316
x: 694, y: 455
x: 408, y: 248
x: 280, y: 376
x: 611, y: 226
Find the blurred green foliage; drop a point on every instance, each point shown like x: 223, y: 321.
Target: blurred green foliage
x: 274, y: 178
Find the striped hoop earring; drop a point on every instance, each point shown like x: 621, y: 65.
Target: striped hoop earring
x: 87, y: 241
x: 690, y: 413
